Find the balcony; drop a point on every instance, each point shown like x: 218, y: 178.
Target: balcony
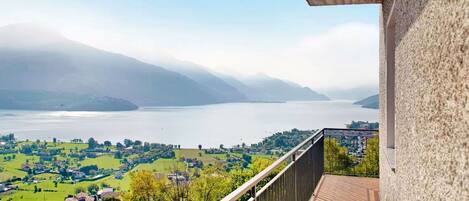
x: 319, y: 169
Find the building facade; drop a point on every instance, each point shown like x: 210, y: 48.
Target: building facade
x: 424, y: 98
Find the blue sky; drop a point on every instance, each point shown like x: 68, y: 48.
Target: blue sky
x: 283, y: 38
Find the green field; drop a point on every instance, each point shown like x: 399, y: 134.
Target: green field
x: 200, y: 155
x: 12, y: 168
x: 46, y: 181
x: 68, y: 146
x: 105, y: 161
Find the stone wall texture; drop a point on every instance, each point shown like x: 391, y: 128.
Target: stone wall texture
x: 432, y: 101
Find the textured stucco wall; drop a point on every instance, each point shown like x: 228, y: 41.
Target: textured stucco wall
x: 432, y: 101
x: 387, y: 176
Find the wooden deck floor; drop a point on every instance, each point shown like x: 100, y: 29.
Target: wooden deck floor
x: 338, y: 188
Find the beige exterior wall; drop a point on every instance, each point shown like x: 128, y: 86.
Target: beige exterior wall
x: 432, y: 101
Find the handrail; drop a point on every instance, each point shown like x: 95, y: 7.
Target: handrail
x: 249, y: 185
x: 349, y: 129
x: 280, y: 173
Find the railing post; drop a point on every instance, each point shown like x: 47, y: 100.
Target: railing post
x: 294, y: 178
x: 253, y: 192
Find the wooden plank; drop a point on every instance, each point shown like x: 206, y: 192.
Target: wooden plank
x: 345, y: 188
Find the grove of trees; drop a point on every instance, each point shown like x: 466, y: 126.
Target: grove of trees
x: 211, y: 183
x: 338, y: 161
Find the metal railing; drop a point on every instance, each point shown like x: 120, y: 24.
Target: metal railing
x: 298, y: 180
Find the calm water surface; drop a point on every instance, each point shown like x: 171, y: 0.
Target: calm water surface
x: 209, y: 125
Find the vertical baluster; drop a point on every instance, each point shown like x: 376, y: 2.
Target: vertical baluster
x: 295, y: 181
x: 253, y: 192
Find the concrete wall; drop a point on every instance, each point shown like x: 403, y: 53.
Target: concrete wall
x: 432, y: 101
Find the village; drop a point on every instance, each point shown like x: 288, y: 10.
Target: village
x: 90, y: 170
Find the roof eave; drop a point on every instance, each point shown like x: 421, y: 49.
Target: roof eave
x: 341, y: 2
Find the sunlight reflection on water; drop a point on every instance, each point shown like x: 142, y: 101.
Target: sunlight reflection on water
x: 210, y: 125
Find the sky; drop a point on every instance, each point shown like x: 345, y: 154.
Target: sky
x: 328, y: 47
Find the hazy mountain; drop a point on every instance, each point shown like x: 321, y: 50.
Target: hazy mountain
x: 64, y: 101
x: 34, y: 57
x: 369, y: 102
x: 356, y: 93
x: 217, y: 87
x: 37, y: 58
x: 250, y: 93
x: 261, y: 87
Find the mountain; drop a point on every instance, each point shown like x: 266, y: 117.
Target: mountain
x: 34, y: 57
x: 261, y: 87
x: 250, y: 93
x: 356, y: 93
x: 230, y: 89
x: 216, y: 86
x: 369, y: 102
x: 63, y: 101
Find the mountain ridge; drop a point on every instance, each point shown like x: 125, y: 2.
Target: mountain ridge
x: 60, y: 101
x: 369, y: 102
x: 45, y: 60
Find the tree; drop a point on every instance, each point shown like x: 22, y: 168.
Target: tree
x: 259, y: 164
x: 178, y: 190
x: 221, y: 146
x: 146, y: 146
x: 119, y: 146
x: 128, y: 143
x: 213, y: 184
x: 107, y: 143
x: 105, y: 185
x: 247, y: 158
x: 200, y: 147
x: 54, y: 140
x: 92, y: 143
x: 336, y: 159
x: 239, y: 176
x: 80, y: 189
x: 88, y: 169
x: 118, y: 155
x: 145, y: 187
x: 370, y: 164
x: 93, y: 189
x: 26, y: 149
x: 138, y: 143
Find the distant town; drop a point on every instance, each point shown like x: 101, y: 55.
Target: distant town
x: 91, y: 170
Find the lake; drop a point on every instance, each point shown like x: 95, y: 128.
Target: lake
x: 209, y: 125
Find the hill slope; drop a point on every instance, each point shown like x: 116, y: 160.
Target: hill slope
x: 369, y: 102
x: 60, y: 101
x: 264, y: 88
x: 36, y: 58
x: 216, y: 86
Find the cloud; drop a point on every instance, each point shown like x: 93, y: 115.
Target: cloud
x: 343, y: 56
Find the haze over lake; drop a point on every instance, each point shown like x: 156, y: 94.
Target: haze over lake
x: 209, y: 125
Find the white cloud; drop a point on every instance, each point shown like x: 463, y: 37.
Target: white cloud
x: 343, y: 56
